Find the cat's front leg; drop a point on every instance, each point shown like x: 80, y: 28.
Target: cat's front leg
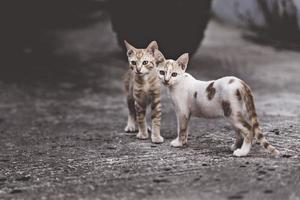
x: 141, y: 120
x: 130, y: 127
x: 182, y: 123
x: 156, y: 118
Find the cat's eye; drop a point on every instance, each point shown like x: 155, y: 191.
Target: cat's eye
x: 161, y: 72
x: 174, y: 74
x: 145, y: 62
x: 133, y: 62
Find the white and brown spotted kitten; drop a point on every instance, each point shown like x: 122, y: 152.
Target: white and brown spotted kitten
x: 229, y: 97
x: 142, y: 88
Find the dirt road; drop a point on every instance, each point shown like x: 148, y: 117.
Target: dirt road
x: 62, y: 126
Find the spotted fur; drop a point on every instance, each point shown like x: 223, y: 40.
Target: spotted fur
x: 195, y: 95
x: 231, y: 81
x: 142, y: 88
x: 211, y: 91
x: 226, y: 108
x: 225, y: 97
x: 238, y: 94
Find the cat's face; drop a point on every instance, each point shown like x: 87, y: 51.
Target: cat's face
x: 141, y: 61
x: 170, y: 71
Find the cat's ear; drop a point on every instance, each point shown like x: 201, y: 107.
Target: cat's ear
x: 183, y: 61
x: 159, y: 57
x: 130, y: 48
x: 151, y: 47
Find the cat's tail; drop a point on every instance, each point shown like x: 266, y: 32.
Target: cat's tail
x: 250, y: 107
x: 261, y: 138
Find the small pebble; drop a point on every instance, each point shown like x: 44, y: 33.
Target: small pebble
x: 286, y: 156
x: 24, y: 178
x: 268, y: 191
x: 16, y: 191
x: 276, y: 131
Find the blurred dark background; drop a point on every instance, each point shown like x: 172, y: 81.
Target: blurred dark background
x: 28, y: 32
x: 177, y: 25
x: 26, y: 23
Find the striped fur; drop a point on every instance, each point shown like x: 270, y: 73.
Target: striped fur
x: 142, y: 88
x: 256, y: 130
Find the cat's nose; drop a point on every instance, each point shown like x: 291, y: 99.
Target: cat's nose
x: 138, y: 71
x: 166, y: 82
x: 167, y: 79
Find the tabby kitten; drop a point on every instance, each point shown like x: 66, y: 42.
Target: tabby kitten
x: 229, y: 97
x: 142, y: 88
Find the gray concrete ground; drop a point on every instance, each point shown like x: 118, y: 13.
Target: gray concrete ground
x: 62, y: 127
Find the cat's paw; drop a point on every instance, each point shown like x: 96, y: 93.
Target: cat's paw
x: 142, y: 136
x: 240, y: 153
x: 276, y: 153
x: 184, y: 142
x: 233, y: 147
x: 130, y: 128
x: 176, y: 143
x: 157, y: 139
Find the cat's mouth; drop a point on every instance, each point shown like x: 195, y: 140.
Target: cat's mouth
x: 138, y: 73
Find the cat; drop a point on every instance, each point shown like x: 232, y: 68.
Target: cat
x: 229, y: 97
x: 143, y: 88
